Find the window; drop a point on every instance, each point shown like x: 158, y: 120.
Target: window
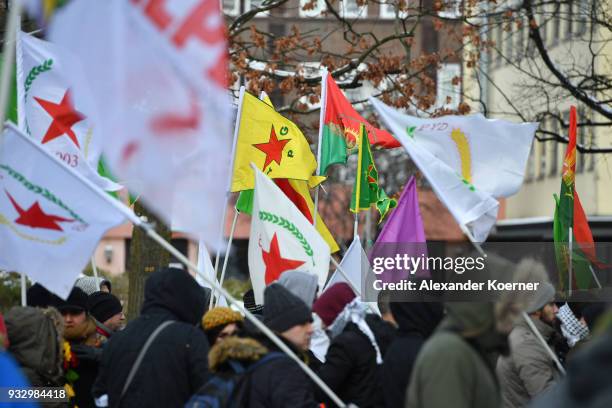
x: 319, y: 7
x: 231, y: 7
x: 252, y: 4
x: 350, y: 9
x: 568, y: 16
x: 508, y: 45
x: 554, y: 150
x: 542, y: 161
x: 529, y: 174
x: 580, y: 140
x: 388, y: 10
x: 499, y: 32
x: 582, y: 13
x: 452, y: 9
x: 556, y: 22
x: 445, y: 88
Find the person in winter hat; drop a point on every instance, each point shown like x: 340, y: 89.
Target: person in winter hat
x: 85, y: 343
x: 221, y: 322
x: 358, y: 344
x: 587, y: 383
x: 249, y: 303
x: 36, y: 342
x: 179, y: 352
x: 304, y: 285
x: 107, y: 311
x: 91, y: 284
x: 11, y: 376
x: 529, y: 369
x: 416, y: 323
x: 280, y: 382
x: 456, y: 365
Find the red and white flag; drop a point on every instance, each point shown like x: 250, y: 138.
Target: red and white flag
x: 49, y: 113
x: 157, y: 71
x: 51, y: 218
x: 282, y: 239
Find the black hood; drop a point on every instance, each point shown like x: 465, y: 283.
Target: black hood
x: 176, y: 291
x: 417, y: 317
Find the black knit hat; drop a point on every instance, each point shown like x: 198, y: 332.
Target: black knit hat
x: 102, y: 306
x: 249, y: 303
x: 76, y: 302
x: 283, y: 310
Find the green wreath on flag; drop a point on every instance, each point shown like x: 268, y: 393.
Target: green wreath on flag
x: 289, y: 226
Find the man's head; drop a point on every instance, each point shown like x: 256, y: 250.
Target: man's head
x: 547, y: 313
x: 73, y: 309
x: 288, y: 315
x: 542, y: 306
x: 106, y: 309
x: 221, y: 322
x: 301, y: 284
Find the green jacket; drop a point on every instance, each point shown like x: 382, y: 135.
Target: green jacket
x: 455, y: 367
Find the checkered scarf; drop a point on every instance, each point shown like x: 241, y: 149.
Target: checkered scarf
x: 571, y: 328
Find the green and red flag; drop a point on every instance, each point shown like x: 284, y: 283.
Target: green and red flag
x: 366, y: 190
x: 571, y: 221
x: 340, y: 127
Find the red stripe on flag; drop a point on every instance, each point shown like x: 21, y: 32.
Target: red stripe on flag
x: 295, y: 197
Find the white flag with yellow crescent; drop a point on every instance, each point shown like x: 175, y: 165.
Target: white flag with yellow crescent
x: 468, y: 160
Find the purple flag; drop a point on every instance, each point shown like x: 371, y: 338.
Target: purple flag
x: 402, y: 235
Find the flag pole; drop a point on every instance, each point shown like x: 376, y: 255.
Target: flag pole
x: 229, y: 182
x: 538, y: 335
x: 23, y: 281
x: 472, y: 240
x: 595, y: 277
x: 348, y: 281
x: 321, y: 119
x: 571, y: 262
x: 356, y: 225
x: 8, y: 53
x: 226, y: 258
x: 260, y: 325
x: 24, y: 293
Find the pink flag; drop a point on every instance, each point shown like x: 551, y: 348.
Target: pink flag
x: 403, y: 233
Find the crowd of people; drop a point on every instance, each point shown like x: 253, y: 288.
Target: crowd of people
x: 178, y: 352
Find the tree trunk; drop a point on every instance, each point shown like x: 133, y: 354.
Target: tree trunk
x: 145, y: 257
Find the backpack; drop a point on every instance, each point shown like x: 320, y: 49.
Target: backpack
x: 228, y: 390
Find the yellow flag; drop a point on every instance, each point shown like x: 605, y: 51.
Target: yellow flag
x: 274, y: 143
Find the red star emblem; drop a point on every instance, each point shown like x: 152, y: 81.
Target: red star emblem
x: 64, y: 117
x: 35, y: 217
x: 273, y: 148
x: 275, y: 263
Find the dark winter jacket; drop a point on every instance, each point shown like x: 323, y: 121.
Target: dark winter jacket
x: 416, y: 322
x: 35, y: 337
x: 280, y: 383
x: 587, y: 384
x: 456, y: 365
x: 176, y: 364
x: 350, y: 367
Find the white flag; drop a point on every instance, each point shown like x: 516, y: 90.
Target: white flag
x: 282, y: 239
x: 468, y: 160
x: 158, y: 77
x: 48, y: 111
x: 51, y: 218
x: 355, y: 265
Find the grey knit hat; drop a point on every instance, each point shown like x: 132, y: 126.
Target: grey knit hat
x: 283, y: 310
x: 542, y: 296
x: 301, y: 284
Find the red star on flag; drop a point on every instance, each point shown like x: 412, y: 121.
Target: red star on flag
x: 35, y: 217
x: 64, y: 117
x: 273, y: 148
x: 275, y: 263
